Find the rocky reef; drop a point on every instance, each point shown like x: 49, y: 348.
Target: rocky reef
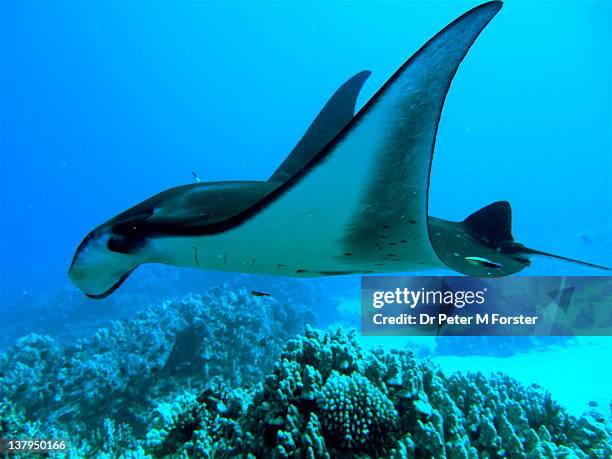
x: 184, y: 390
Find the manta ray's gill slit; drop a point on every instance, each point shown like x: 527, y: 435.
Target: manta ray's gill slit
x: 195, y: 256
x: 347, y: 254
x: 299, y: 271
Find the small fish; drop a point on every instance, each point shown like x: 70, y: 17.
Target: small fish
x: 482, y: 262
x: 196, y: 178
x: 256, y: 293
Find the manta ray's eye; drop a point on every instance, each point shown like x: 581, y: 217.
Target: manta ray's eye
x: 116, y: 244
x: 120, y: 244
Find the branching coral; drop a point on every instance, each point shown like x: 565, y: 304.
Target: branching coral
x: 327, y: 397
x: 356, y: 415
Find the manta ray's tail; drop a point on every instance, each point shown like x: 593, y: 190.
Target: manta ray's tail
x: 528, y: 251
x: 492, y: 226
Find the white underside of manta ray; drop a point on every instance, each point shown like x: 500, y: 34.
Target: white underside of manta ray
x: 350, y: 198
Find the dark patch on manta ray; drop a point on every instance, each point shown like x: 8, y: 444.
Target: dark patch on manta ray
x: 125, y: 244
x: 300, y: 270
x: 401, y: 170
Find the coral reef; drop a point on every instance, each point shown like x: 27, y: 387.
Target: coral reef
x: 229, y: 374
x: 356, y: 415
x: 326, y: 397
x: 109, y: 383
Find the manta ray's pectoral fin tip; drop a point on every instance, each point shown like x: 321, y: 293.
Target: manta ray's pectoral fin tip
x: 493, y: 7
x: 333, y: 117
x: 493, y: 4
x: 361, y: 76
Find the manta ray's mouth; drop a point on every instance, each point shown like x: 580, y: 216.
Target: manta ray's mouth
x: 115, y: 286
x: 97, y: 271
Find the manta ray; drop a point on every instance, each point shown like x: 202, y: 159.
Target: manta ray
x: 351, y: 197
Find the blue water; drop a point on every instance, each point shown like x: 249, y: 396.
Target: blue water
x: 104, y: 104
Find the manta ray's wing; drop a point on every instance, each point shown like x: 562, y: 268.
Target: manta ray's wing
x: 362, y: 200
x: 333, y: 117
x: 204, y: 204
